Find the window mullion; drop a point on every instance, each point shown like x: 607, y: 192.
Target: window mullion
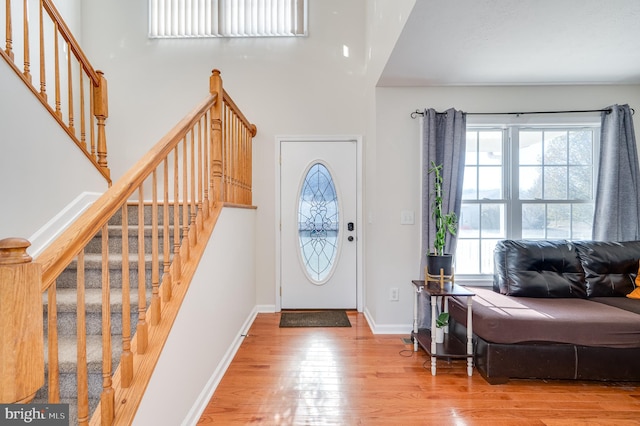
x: 513, y: 202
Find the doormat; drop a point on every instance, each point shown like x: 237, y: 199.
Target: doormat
x: 315, y: 319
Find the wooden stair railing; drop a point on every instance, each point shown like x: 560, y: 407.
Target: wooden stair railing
x: 79, y: 99
x: 202, y: 164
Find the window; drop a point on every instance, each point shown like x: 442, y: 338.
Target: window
x: 227, y: 18
x: 533, y: 182
x: 318, y: 223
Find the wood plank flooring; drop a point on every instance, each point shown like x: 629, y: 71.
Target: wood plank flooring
x: 349, y: 376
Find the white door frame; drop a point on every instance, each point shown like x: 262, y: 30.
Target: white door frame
x: 359, y: 215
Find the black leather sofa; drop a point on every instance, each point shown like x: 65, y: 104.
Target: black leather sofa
x: 557, y: 310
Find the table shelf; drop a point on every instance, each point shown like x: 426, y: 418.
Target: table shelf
x: 452, y: 347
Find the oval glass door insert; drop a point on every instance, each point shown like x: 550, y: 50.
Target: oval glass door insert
x: 318, y: 223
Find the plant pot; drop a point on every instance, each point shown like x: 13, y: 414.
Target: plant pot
x: 439, y: 334
x: 435, y: 263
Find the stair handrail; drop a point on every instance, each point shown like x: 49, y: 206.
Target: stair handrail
x: 211, y: 165
x: 64, y: 107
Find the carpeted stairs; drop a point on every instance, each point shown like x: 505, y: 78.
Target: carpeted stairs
x: 66, y: 301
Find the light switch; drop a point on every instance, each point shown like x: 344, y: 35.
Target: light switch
x: 407, y: 217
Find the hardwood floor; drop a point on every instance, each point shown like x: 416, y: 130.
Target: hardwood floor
x: 349, y: 376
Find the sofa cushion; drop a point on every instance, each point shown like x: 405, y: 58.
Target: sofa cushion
x: 528, y: 268
x: 628, y: 304
x: 610, y: 267
x: 502, y: 319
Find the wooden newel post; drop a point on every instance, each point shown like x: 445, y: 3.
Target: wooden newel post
x: 215, y: 87
x: 21, y: 328
x: 101, y: 112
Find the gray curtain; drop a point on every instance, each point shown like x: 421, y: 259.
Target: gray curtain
x: 617, y: 202
x: 443, y: 142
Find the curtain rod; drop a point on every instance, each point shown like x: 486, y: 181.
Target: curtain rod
x: 417, y: 112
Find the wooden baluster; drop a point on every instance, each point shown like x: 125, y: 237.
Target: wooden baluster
x: 70, y: 90
x: 205, y: 165
x: 254, y: 131
x: 246, y: 199
x: 176, y: 265
x: 233, y: 142
x: 142, y: 327
x: 92, y: 124
x: 237, y: 160
x: 43, y: 74
x: 228, y: 157
x: 224, y: 152
x: 21, y: 334
x: 56, y: 71
x: 240, y: 156
x: 107, y: 396
x: 243, y: 162
x: 25, y: 28
x: 101, y: 112
x: 8, y: 34
x: 81, y: 333
x: 185, y: 203
x: 83, y: 124
x: 155, y: 264
x: 193, y: 234
x: 166, y: 236
x: 247, y: 167
x: 201, y: 214
x: 126, y: 358
x: 215, y: 87
x: 53, y: 381
x: 226, y: 164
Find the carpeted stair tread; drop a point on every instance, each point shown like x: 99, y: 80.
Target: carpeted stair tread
x: 66, y: 299
x: 67, y: 353
x: 94, y: 260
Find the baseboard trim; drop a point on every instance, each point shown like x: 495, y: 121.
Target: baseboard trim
x: 205, y: 396
x: 386, y: 328
x: 50, y: 231
x: 266, y: 309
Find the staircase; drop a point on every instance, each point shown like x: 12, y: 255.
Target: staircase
x: 203, y: 163
x: 67, y: 306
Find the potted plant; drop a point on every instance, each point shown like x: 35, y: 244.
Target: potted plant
x: 445, y: 223
x: 441, y: 322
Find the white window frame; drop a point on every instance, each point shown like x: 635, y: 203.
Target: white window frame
x: 227, y: 18
x: 509, y: 126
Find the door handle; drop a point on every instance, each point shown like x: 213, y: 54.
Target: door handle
x: 350, y: 226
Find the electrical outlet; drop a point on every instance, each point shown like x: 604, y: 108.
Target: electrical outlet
x: 393, y: 294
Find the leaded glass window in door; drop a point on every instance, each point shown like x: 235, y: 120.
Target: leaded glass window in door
x: 318, y: 223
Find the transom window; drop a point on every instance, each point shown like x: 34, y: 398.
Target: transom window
x: 227, y: 18
x: 533, y: 182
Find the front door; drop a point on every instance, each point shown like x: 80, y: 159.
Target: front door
x: 318, y: 196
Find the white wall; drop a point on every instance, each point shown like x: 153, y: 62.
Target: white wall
x: 397, y: 165
x: 385, y: 20
x: 35, y: 157
x: 217, y: 310
x: 301, y: 86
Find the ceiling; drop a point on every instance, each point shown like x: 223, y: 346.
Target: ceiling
x: 517, y: 42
